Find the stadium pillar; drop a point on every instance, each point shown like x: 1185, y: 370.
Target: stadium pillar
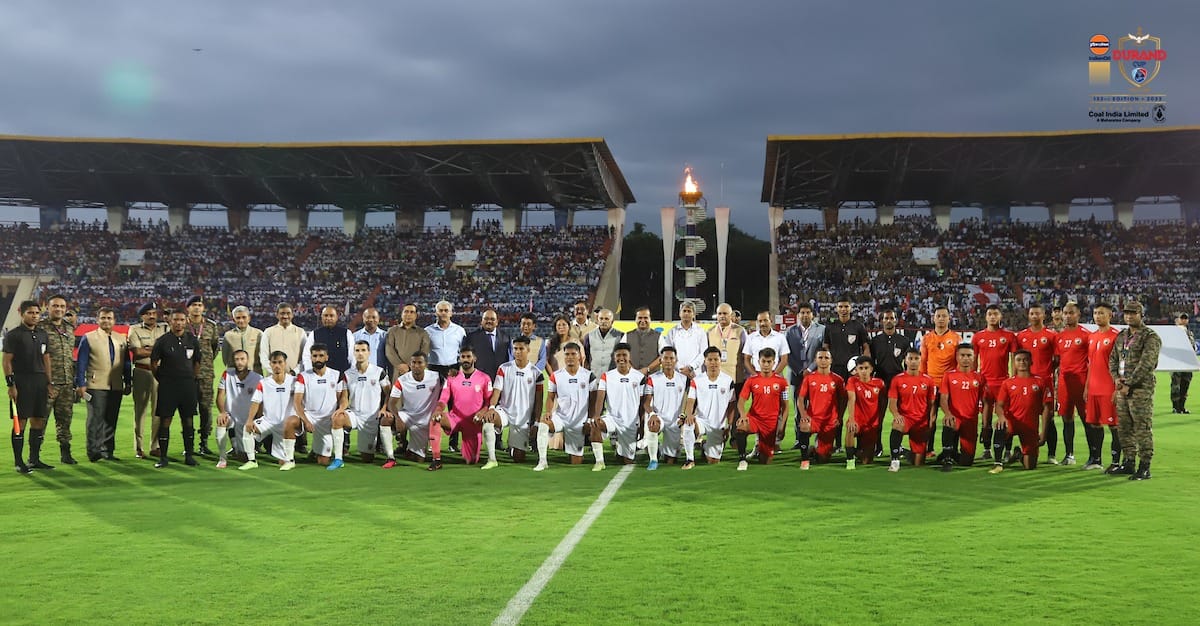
x: 1060, y: 212
x: 117, y: 214
x: 886, y: 213
x: 830, y: 214
x: 612, y: 287
x: 1190, y: 210
x: 512, y: 218
x: 668, y: 238
x: 237, y: 218
x: 721, y: 214
x: 564, y: 218
x: 941, y: 214
x: 460, y: 217
x: 998, y: 214
x: 178, y: 218
x: 1123, y: 213
x: 409, y: 219
x: 774, y: 220
x: 353, y: 219
x: 51, y: 216
x: 297, y: 220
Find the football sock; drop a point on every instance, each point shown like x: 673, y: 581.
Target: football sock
x: 1051, y: 437
x: 543, y: 440
x: 851, y: 452
x: 164, y: 438
x: 739, y: 439
x: 598, y: 451
x: 389, y: 442
x: 489, y: 439
x: 805, y: 444
x: 189, y: 440
x: 248, y: 445
x: 339, y: 436
x: 651, y: 440
x: 1116, y: 444
x: 1068, y: 436
x: 895, y: 441
x: 687, y: 440
x: 18, y: 444
x: 435, y: 439
x: 289, y: 450
x: 222, y: 440
x: 949, y: 442
x: 999, y: 445
x: 36, y: 435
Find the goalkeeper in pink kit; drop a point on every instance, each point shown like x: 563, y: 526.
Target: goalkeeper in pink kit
x: 470, y: 390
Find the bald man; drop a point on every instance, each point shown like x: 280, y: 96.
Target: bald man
x: 598, y: 345
x: 374, y: 336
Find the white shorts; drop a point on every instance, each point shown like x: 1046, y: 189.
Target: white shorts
x: 714, y: 437
x: 272, y: 430
x: 572, y: 435
x: 671, y: 432
x: 418, y: 432
x: 368, y: 430
x: 518, y: 431
x: 623, y: 435
x: 236, y: 428
x: 322, y: 444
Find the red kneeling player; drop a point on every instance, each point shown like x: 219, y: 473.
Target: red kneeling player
x: 962, y: 394
x: 910, y: 399
x: 817, y: 407
x: 863, y: 393
x: 1025, y: 402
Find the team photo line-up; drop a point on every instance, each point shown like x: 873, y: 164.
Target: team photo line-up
x: 671, y: 393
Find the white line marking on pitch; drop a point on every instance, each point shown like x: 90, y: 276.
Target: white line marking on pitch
x: 521, y: 602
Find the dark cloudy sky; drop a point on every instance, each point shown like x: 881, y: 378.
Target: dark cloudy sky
x: 666, y: 83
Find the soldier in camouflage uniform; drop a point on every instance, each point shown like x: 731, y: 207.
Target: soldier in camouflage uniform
x: 1132, y: 364
x: 61, y: 334
x: 208, y: 335
x: 1180, y: 381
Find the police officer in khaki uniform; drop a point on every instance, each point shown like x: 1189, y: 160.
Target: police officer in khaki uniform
x: 61, y: 336
x: 208, y: 335
x: 1132, y: 364
x: 145, y: 387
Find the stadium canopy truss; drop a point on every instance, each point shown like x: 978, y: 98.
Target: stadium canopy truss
x: 824, y: 171
x: 577, y: 174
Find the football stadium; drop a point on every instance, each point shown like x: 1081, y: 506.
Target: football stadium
x: 490, y: 397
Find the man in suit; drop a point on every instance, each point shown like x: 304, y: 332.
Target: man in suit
x: 490, y: 346
x: 103, y: 375
x: 803, y: 339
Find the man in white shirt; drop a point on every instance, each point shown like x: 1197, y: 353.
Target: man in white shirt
x: 710, y: 409
x: 567, y: 407
x: 445, y: 338
x: 320, y: 392
x: 618, y: 398
x: 663, y: 408
x: 688, y: 339
x: 765, y: 337
x: 367, y: 388
x: 234, y: 394
x: 373, y: 335
x: 516, y: 399
x: 273, y: 397
x: 412, y: 401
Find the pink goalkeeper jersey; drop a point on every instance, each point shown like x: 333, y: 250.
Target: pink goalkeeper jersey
x: 469, y: 393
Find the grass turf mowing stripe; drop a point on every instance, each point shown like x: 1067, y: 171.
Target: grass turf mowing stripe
x: 524, y: 597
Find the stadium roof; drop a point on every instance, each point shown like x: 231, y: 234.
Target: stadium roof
x: 823, y: 171
x: 377, y: 176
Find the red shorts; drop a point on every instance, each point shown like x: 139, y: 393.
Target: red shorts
x: 765, y: 435
x: 820, y: 425
x: 1070, y: 395
x: 992, y: 391
x: 968, y: 434
x: 1101, y: 411
x: 1028, y: 432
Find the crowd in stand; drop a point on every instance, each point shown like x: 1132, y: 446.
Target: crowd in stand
x: 1084, y: 261
x: 543, y: 270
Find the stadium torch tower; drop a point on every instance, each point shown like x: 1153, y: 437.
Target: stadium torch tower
x: 695, y: 210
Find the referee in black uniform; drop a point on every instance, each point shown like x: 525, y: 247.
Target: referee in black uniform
x: 27, y: 374
x: 175, y: 361
x: 847, y: 339
x: 887, y: 349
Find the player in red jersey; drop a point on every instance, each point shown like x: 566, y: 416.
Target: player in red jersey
x: 1039, y: 342
x: 1071, y: 348
x: 1101, y: 411
x: 863, y: 393
x: 994, y: 347
x: 1025, y: 405
x: 961, y: 394
x: 911, y: 401
x: 817, y: 407
x: 768, y: 395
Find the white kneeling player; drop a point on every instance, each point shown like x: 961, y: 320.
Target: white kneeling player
x: 618, y: 396
x: 412, y: 402
x: 663, y: 408
x: 567, y: 407
x: 320, y: 392
x: 272, y: 403
x: 516, y: 399
x: 367, y: 387
x: 233, y: 400
x: 709, y: 410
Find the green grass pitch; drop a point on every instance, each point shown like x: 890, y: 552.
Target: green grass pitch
x: 124, y: 543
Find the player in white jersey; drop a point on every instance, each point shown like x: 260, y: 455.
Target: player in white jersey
x: 516, y: 399
x: 320, y: 392
x: 272, y: 402
x: 618, y: 398
x: 662, y: 405
x: 710, y: 410
x: 413, y: 399
x: 567, y: 407
x: 233, y: 401
x: 367, y: 388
